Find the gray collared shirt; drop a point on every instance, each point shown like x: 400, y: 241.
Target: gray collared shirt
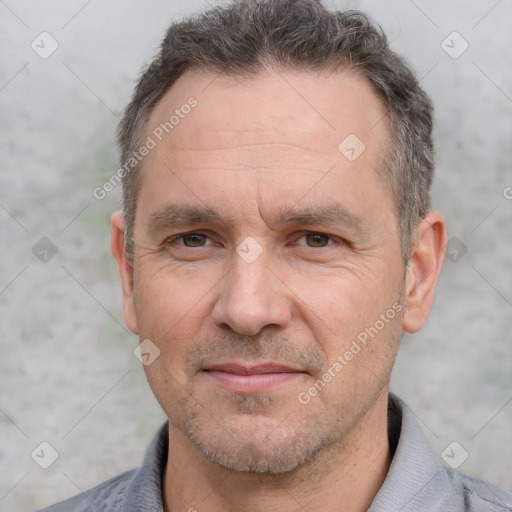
x: 416, y: 480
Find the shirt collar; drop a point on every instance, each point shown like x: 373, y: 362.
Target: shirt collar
x: 414, y: 469
x: 144, y: 493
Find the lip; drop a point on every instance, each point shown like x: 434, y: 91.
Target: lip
x: 242, y: 369
x: 259, y: 378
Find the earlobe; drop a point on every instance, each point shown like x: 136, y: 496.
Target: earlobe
x: 423, y: 269
x: 118, y: 243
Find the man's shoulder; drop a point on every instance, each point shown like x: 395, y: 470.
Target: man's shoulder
x: 137, y: 489
x: 479, y: 495
x: 107, y: 496
x: 417, y: 481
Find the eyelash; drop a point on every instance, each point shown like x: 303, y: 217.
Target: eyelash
x: 335, y: 240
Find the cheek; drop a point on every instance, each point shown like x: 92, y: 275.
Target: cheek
x: 340, y: 306
x: 171, y: 308
x: 166, y: 294
x: 359, y: 344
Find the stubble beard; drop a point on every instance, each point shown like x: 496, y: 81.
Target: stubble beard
x: 263, y: 445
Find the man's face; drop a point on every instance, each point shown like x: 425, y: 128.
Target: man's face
x: 263, y: 250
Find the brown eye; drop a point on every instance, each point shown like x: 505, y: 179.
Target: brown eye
x: 317, y: 239
x: 194, y: 239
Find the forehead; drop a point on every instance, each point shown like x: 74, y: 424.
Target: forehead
x: 293, y: 126
x: 317, y: 110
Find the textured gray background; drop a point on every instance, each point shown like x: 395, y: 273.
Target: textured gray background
x: 68, y: 375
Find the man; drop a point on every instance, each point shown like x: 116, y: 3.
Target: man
x: 275, y: 243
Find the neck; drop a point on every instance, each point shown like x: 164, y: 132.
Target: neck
x: 345, y: 476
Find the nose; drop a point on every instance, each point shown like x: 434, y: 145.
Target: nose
x: 253, y: 297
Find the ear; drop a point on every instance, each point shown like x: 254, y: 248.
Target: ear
x: 118, y: 244
x: 423, y: 269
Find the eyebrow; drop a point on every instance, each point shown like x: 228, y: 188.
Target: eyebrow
x: 178, y: 215
x: 181, y: 215
x: 320, y: 214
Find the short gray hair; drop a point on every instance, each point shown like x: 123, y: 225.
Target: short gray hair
x: 247, y: 36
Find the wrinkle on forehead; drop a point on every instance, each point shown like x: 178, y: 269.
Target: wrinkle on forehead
x: 283, y: 146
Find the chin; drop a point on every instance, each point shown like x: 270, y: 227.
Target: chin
x: 258, y: 444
